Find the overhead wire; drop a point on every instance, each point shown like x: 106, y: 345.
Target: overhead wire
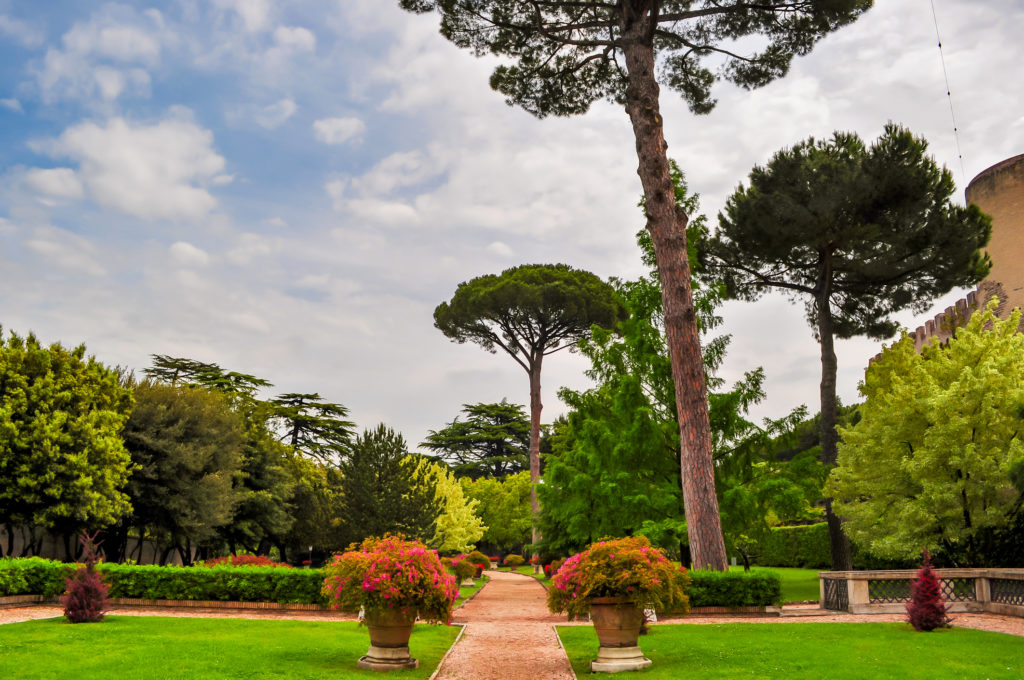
x: 949, y: 93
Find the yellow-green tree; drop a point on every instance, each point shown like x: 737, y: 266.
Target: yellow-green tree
x: 504, y: 508
x: 62, y: 463
x: 930, y: 463
x: 458, y: 528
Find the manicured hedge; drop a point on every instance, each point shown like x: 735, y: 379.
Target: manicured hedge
x: 803, y: 546
x: 34, y: 576
x: 734, y: 589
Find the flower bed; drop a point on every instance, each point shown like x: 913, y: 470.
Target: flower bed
x: 627, y: 568
x: 391, y: 574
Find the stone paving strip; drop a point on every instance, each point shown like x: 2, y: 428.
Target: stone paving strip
x: 509, y: 634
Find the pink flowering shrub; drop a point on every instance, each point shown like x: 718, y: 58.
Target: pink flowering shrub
x: 463, y: 567
x: 391, y: 573
x: 626, y: 567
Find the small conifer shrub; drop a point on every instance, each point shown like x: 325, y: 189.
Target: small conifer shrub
x: 85, y: 598
x: 925, y: 610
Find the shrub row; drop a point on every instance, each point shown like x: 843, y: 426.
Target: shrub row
x: 734, y: 589
x: 35, y: 576
x: 808, y: 547
x: 802, y: 546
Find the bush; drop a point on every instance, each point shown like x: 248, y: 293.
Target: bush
x: 801, y: 546
x: 86, y: 597
x: 628, y: 568
x: 244, y: 561
x: 514, y: 561
x: 478, y: 558
x: 734, y: 589
x: 925, y: 611
x: 463, y: 567
x: 392, y: 573
x: 33, y: 576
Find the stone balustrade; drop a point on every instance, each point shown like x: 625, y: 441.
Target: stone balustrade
x: 1000, y: 591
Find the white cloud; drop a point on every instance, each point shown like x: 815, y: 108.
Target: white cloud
x: 338, y: 130
x: 499, y: 248
x: 188, y: 255
x: 277, y: 222
x: 105, y: 57
x: 250, y: 247
x: 276, y: 114
x: 150, y: 171
x: 295, y: 37
x: 118, y: 42
x: 255, y: 14
x: 65, y: 250
x: 12, y: 104
x: 55, y: 182
x: 20, y: 31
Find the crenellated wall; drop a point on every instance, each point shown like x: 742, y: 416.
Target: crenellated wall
x: 999, y: 192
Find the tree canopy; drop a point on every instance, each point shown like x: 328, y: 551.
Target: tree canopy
x: 937, y: 457
x: 855, y: 232
x: 613, y: 470
x: 504, y: 508
x: 312, y: 426
x: 381, y: 490
x: 559, y: 56
x: 458, y: 528
x: 492, y: 441
x: 530, y: 312
x: 62, y: 461
x: 186, y: 444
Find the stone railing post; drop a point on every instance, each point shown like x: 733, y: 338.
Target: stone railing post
x: 982, y: 590
x: 858, y: 594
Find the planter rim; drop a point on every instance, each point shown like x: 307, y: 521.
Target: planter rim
x: 611, y: 599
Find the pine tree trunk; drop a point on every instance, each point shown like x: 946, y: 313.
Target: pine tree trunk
x: 839, y: 544
x: 535, y: 408
x: 667, y: 226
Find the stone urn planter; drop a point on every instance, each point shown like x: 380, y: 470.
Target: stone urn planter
x: 389, y: 641
x: 394, y: 581
x: 617, y: 622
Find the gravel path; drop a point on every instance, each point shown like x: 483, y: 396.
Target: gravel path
x: 508, y: 635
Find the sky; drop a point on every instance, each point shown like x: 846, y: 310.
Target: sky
x: 288, y: 188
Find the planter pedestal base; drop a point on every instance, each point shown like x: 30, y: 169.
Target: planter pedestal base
x: 619, y: 659
x: 387, y: 659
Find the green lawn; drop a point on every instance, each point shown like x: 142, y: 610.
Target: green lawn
x: 133, y: 647
x: 798, y: 585
x: 838, y: 651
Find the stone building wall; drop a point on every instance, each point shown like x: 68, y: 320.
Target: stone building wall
x: 999, y: 192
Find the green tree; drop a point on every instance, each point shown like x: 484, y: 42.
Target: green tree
x: 62, y: 463
x: 530, y: 312
x: 504, y: 508
x: 458, y: 527
x: 614, y: 471
x: 493, y: 441
x: 265, y: 485
x: 933, y: 460
x: 858, y: 233
x: 190, y: 372
x: 381, y: 491
x: 560, y: 56
x: 313, y: 427
x: 187, y: 445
